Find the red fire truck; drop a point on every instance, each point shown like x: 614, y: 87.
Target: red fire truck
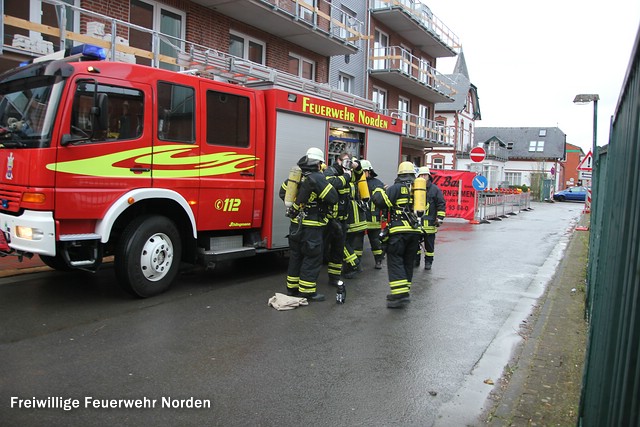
x: 157, y: 167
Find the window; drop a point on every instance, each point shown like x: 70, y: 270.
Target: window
x: 348, y: 19
x: 302, y: 67
x: 424, y: 72
x: 158, y: 17
x: 513, y: 178
x: 227, y: 119
x: 441, y: 129
x: 509, y: 145
x: 536, y: 146
x: 49, y: 16
x: 176, y: 106
x: 305, y: 9
x: 406, y: 59
x: 542, y: 133
x: 379, y: 96
x: 380, y: 46
x: 345, y: 82
x: 125, y: 107
x: 423, y: 116
x: 403, y: 113
x: 437, y: 162
x: 246, y: 47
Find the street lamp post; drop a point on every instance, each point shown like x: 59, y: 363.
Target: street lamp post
x: 585, y: 99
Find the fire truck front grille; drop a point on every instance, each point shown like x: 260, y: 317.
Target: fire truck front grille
x: 10, y: 200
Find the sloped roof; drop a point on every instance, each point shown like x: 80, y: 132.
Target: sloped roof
x: 554, y: 141
x: 462, y: 85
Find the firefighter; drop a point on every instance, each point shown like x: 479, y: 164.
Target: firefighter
x: 342, y: 259
x: 356, y: 223
x: 373, y: 214
x: 432, y: 219
x: 315, y: 199
x: 404, y: 234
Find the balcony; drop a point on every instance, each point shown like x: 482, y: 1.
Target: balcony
x: 323, y: 28
x: 419, y: 132
x: 414, y: 21
x: 399, y: 68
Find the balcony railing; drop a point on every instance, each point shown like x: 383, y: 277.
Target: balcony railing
x: 166, y: 52
x: 422, y: 129
x: 417, y: 12
x: 398, y: 67
x: 318, y: 26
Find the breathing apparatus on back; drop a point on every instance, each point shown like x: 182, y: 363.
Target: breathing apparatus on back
x: 363, y: 187
x: 293, y: 184
x: 420, y: 191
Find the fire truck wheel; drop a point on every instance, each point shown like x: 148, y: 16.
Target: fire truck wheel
x: 148, y: 256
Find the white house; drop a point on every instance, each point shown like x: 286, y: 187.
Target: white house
x: 534, y: 155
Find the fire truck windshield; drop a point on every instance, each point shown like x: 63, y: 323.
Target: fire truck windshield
x: 28, y: 109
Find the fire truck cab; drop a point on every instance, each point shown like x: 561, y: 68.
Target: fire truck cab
x: 154, y: 167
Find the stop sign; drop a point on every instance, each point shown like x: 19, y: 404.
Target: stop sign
x: 477, y: 154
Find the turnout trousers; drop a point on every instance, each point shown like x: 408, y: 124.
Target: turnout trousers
x: 305, y: 258
x: 401, y: 252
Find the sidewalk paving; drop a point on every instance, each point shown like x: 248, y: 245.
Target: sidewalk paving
x: 541, y: 386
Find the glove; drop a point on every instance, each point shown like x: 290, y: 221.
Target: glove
x: 291, y: 212
x: 439, y: 222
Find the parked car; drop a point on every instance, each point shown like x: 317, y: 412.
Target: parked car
x: 578, y: 194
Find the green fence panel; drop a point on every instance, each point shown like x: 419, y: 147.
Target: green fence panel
x: 611, y: 382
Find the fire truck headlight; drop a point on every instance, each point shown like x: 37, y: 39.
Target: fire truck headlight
x: 29, y: 233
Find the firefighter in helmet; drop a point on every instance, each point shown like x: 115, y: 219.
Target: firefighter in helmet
x: 373, y: 214
x: 315, y: 199
x: 342, y: 259
x: 432, y: 219
x: 404, y: 233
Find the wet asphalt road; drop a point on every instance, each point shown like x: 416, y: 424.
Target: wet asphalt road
x: 212, y: 337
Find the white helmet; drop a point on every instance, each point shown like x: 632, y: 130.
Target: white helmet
x: 314, y: 153
x: 366, y: 165
x: 424, y: 170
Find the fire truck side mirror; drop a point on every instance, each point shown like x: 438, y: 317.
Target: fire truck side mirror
x: 100, y: 112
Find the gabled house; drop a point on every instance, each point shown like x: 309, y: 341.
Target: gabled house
x: 535, y: 156
x: 456, y: 121
x: 571, y: 176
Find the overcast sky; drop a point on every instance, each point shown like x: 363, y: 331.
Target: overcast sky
x: 529, y: 59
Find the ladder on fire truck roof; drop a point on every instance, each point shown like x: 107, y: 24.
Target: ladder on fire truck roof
x: 215, y: 64
x: 194, y: 59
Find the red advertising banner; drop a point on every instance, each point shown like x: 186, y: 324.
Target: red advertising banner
x: 458, y: 191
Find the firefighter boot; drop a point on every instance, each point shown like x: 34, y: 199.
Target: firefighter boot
x: 398, y: 300
x: 293, y: 292
x: 427, y: 263
x: 313, y: 297
x: 378, y: 265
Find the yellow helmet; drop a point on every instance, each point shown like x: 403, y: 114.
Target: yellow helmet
x: 405, y: 168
